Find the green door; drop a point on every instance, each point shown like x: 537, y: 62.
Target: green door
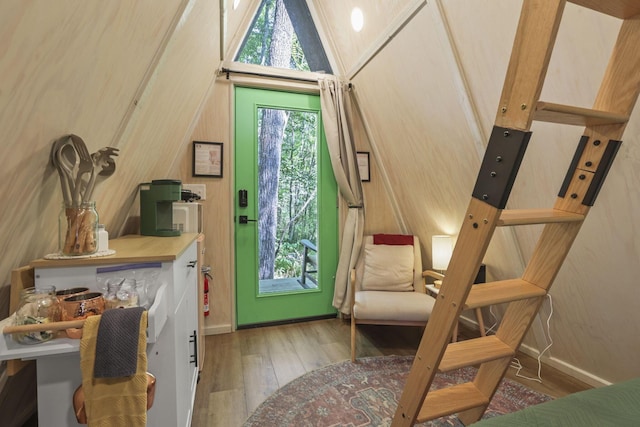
x: 285, y: 208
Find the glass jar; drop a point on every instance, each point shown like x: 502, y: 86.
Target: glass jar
x: 78, y: 229
x: 121, y: 294
x: 37, y: 306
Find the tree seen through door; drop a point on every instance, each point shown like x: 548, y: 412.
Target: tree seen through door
x: 287, y: 176
x: 287, y: 190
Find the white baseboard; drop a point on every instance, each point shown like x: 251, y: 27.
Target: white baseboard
x: 217, y: 329
x: 567, y: 368
x: 553, y: 362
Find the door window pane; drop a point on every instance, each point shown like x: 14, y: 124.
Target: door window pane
x: 287, y: 200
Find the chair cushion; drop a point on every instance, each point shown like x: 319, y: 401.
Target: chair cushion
x: 397, y: 306
x: 388, y: 268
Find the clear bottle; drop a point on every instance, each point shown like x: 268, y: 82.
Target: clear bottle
x: 103, y: 238
x: 37, y: 305
x: 78, y: 229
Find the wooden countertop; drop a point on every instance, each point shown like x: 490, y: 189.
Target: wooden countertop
x: 130, y: 248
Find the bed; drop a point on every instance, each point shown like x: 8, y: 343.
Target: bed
x: 615, y: 405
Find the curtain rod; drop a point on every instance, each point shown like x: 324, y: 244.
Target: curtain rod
x: 228, y: 71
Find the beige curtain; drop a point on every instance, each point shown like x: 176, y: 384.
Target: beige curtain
x: 334, y: 99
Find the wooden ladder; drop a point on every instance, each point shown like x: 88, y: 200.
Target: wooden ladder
x: 519, y: 106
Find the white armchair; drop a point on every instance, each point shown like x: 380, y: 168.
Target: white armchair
x: 387, y: 285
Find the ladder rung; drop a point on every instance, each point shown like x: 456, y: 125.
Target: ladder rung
x: 482, y: 295
x: 474, y: 351
x: 568, y: 115
x: 536, y: 216
x: 446, y: 401
x: 619, y: 8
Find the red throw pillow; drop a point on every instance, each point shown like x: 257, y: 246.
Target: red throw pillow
x: 392, y: 239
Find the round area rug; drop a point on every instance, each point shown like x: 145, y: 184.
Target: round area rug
x: 366, y: 393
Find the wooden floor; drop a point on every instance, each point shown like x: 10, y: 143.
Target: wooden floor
x: 243, y: 368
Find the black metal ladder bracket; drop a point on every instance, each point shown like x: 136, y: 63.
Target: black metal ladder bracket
x: 588, y: 170
x: 500, y: 165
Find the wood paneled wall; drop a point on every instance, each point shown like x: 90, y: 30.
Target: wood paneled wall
x: 214, y: 126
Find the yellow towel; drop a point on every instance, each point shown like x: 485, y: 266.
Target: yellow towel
x: 112, y: 402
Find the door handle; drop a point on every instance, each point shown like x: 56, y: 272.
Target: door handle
x: 194, y: 357
x: 243, y: 219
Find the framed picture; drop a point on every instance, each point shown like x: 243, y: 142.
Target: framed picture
x: 363, y: 166
x: 207, y: 159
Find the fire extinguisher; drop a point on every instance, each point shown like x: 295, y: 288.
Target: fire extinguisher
x: 207, y: 276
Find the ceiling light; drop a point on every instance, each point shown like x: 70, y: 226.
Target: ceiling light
x: 357, y: 19
x: 235, y: 4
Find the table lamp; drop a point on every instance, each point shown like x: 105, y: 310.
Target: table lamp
x: 441, y: 250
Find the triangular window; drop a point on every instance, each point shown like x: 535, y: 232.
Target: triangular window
x: 283, y: 35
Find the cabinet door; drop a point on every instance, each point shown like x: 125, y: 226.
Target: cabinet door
x: 186, y: 343
x: 194, y: 342
x: 186, y: 327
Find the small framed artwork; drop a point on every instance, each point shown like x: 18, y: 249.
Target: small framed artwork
x: 207, y: 159
x: 363, y: 166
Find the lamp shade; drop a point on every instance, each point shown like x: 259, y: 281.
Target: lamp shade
x: 441, y: 250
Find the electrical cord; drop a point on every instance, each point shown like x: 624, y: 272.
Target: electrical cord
x: 515, y: 363
x: 495, y: 321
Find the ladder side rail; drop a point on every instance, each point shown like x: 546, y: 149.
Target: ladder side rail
x: 531, y: 53
x: 618, y: 94
x: 516, y: 323
x: 497, y: 174
x: 549, y: 254
x: 475, y: 235
x: 621, y: 83
x: 551, y: 250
